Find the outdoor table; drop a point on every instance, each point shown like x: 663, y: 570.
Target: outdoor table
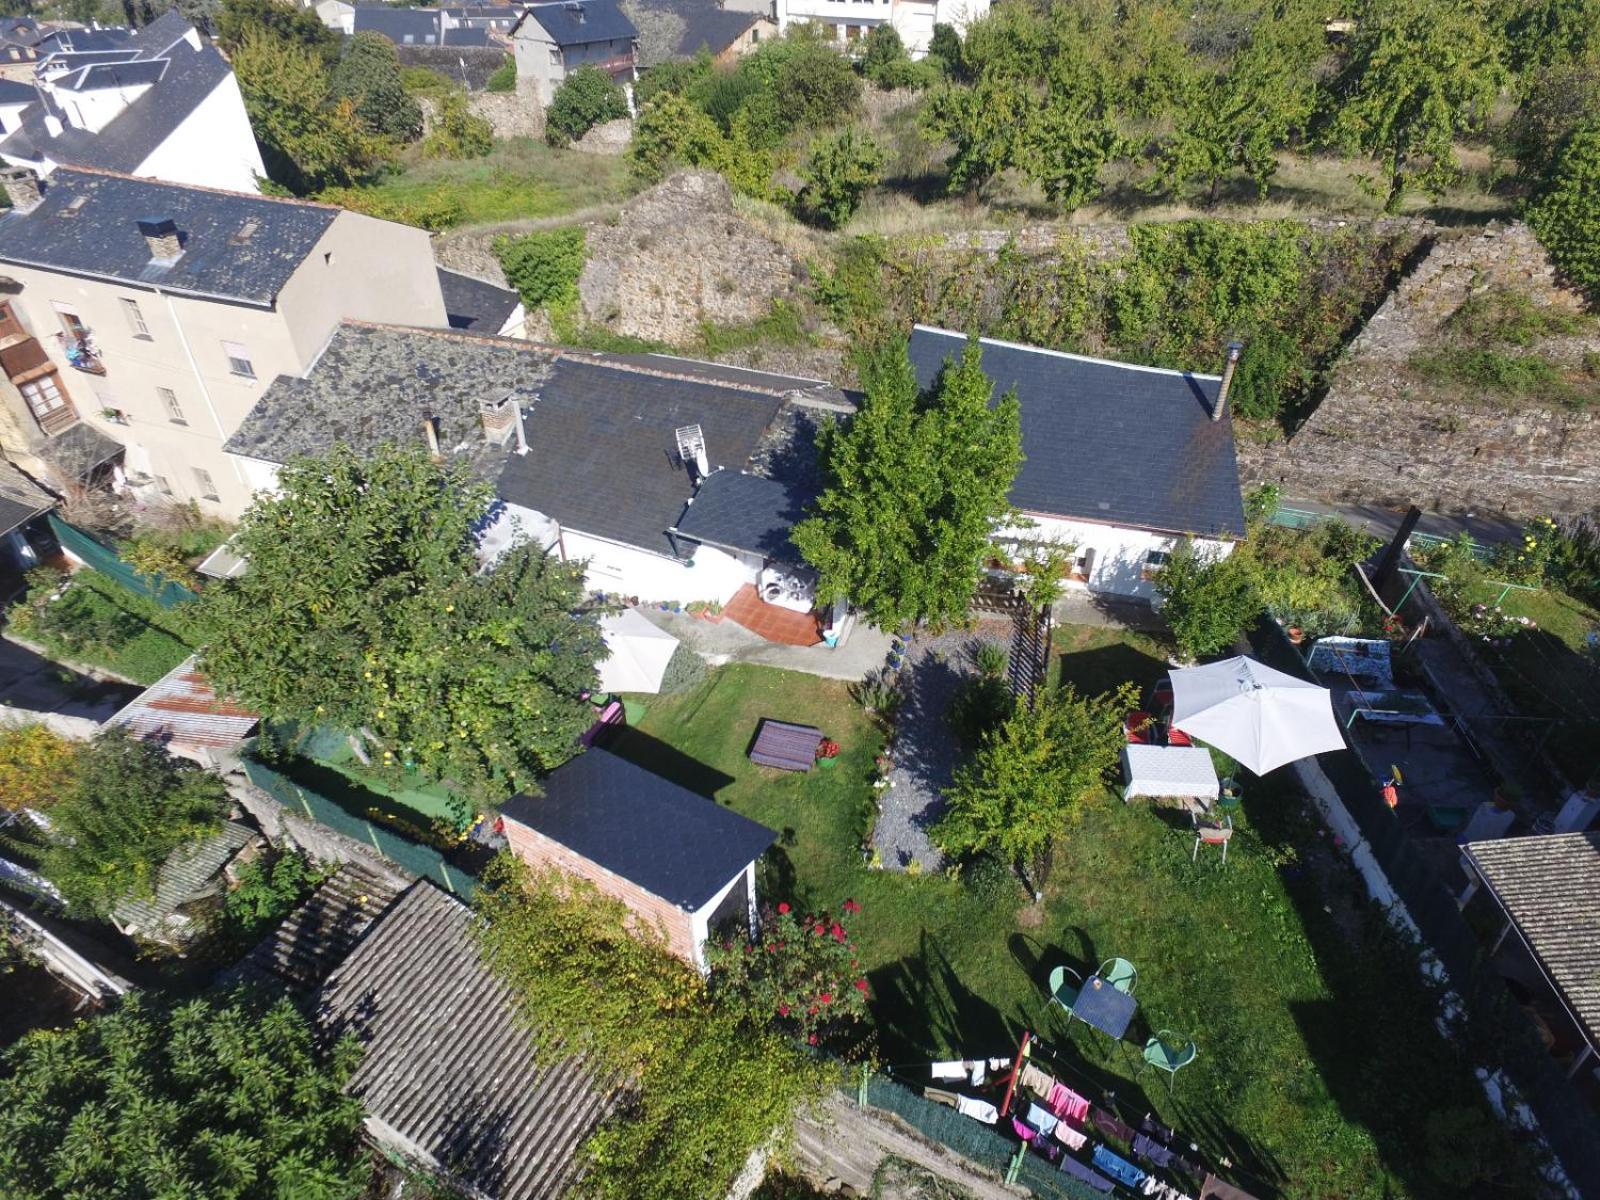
x: 1103, y: 1006
x: 1182, y: 771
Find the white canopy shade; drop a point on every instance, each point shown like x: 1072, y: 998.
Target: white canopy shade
x: 1254, y: 714
x: 639, y: 653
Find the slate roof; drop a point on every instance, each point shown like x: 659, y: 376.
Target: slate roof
x: 84, y: 39
x: 397, y: 24
x: 186, y: 875
x: 100, y: 236
x: 739, y: 511
x: 1109, y: 442
x: 601, y: 430
x: 12, y: 92
x: 21, y: 499
x: 475, y: 305
x: 467, y: 37
x: 181, y: 707
x: 78, y: 450
x: 668, y: 840
x: 1549, y: 885
x: 181, y: 78
x: 449, y: 1065
x: 578, y: 22
x: 714, y: 28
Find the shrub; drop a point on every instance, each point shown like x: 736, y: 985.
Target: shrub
x: 543, y: 266
x: 459, y: 132
x: 1271, y: 370
x: 368, y: 74
x: 884, y: 60
x: 979, y: 706
x: 504, y: 77
x: 684, y: 670
x: 838, y: 173
x: 434, y: 211
x: 1209, y: 600
x: 266, y: 893
x: 1498, y: 374
x: 1565, y: 211
x: 425, y: 81
x: 586, y: 98
x: 1526, y: 559
x: 37, y: 766
x: 944, y: 51
x: 1506, y: 317
x: 989, y: 880
x: 992, y: 659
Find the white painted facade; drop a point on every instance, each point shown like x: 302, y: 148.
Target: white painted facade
x: 913, y: 20
x: 1113, y: 559
x: 700, y: 919
x: 213, y: 147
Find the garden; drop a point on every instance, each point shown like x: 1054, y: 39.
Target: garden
x: 1320, y: 1070
x: 91, y: 619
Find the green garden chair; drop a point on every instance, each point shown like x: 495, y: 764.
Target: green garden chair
x: 1228, y: 796
x: 1065, y: 984
x: 1120, y: 974
x: 1165, y: 1054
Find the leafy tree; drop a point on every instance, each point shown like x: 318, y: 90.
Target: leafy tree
x: 278, y: 20
x: 220, y: 1097
x: 309, y: 141
x: 157, y: 560
x: 1565, y: 211
x: 1546, y: 33
x: 1070, y: 140
x: 802, y: 974
x: 267, y: 891
x: 504, y: 77
x: 368, y: 75
x: 708, y: 1085
x: 127, y: 807
x: 1235, y: 120
x: 543, y: 266
x: 1419, y: 73
x: 473, y: 676
x: 1271, y: 372
x: 586, y: 98
x: 913, y: 487
x: 986, y: 125
x: 1208, y: 600
x: 37, y: 766
x: 840, y: 170
x: 680, y: 76
x: 459, y: 132
x: 1031, y: 775
x: 804, y: 83
x: 884, y: 60
x: 945, y: 49
x: 1558, y: 101
x: 672, y: 130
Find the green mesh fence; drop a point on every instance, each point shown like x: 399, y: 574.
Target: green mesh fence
x: 418, y: 859
x: 104, y: 559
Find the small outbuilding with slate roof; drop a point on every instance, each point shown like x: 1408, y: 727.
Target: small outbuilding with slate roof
x: 475, y: 305
x: 679, y: 861
x: 551, y: 40
x: 1121, y: 461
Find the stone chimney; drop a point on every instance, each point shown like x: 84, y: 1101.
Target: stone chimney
x: 430, y: 434
x: 161, y: 234
x: 1232, y: 365
x: 22, y: 186
x: 499, y: 420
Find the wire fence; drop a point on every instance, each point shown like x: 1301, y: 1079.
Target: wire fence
x: 105, y: 559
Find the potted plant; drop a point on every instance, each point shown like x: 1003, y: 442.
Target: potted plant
x: 1296, y: 634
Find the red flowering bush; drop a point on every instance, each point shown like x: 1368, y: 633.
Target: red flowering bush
x: 828, y: 748
x: 802, y: 972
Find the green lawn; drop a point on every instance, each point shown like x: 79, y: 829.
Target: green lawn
x: 103, y: 624
x: 1318, y: 1059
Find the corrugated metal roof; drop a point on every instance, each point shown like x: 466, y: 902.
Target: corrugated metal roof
x: 184, y: 876
x: 1550, y: 888
x: 182, y: 708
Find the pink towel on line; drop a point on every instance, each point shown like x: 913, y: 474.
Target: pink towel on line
x: 1065, y: 1102
x: 1070, y: 1137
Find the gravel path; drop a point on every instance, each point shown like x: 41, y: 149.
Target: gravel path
x: 925, y: 751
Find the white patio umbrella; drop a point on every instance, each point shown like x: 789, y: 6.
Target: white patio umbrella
x: 1259, y: 716
x: 639, y: 653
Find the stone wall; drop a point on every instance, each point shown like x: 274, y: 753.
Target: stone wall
x: 513, y: 114
x: 608, y: 137
x: 481, y: 62
x: 1383, y: 436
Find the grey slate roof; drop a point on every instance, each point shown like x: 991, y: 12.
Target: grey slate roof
x: 448, y: 1063
x: 648, y: 830
x: 186, y: 875
x: 21, y: 499
x: 397, y: 24
x: 578, y: 22
x: 739, y: 511
x: 77, y: 451
x: 1109, y: 442
x: 12, y: 92
x: 475, y: 305
x: 100, y: 236
x: 1549, y: 885
x: 601, y: 430
x: 84, y: 39
x: 713, y: 28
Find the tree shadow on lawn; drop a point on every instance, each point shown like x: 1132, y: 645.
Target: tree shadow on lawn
x: 667, y: 761
x: 922, y: 1008
x: 1105, y: 668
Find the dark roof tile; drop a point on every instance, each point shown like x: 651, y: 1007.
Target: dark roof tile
x: 578, y: 22
x: 738, y: 511
x: 475, y: 305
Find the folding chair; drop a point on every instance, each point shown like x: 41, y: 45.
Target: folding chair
x: 1212, y: 835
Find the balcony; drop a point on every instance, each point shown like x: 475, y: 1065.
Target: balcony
x: 81, y: 354
x: 622, y: 64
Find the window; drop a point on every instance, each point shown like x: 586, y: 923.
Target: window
x: 410, y: 38
x: 164, y: 485
x: 47, y: 403
x: 169, y: 401
x: 239, y: 360
x: 208, y: 486
x: 555, y: 56
x: 9, y: 325
x: 1153, y: 562
x: 136, y: 325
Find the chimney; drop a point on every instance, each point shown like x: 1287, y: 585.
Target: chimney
x: 161, y: 234
x: 22, y: 186
x: 1221, y: 406
x: 430, y: 434
x: 53, y: 125
x: 499, y: 420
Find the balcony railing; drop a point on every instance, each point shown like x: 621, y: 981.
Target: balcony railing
x: 81, y: 354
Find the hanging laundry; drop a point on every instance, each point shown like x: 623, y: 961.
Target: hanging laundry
x: 978, y: 1110
x: 940, y: 1097
x: 1072, y: 1139
x: 1048, y: 1150
x: 999, y: 1064
x: 1065, y: 1102
x: 949, y: 1070
x: 1071, y: 1166
x: 1023, y: 1130
x: 1147, y: 1147
x: 1157, y: 1190
x: 979, y: 1073
x: 1036, y: 1081
x: 1157, y: 1130
x: 1117, y: 1167
x: 1188, y: 1166
x: 1109, y: 1125
x: 1045, y: 1122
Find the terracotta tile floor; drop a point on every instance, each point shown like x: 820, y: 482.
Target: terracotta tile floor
x: 769, y: 621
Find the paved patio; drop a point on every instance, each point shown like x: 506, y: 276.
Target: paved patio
x: 863, y: 650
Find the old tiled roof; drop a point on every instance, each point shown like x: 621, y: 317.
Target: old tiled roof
x: 475, y: 305
x: 448, y: 1065
x: 181, y: 707
x: 668, y: 840
x: 577, y: 22
x: 235, y: 246
x: 1549, y: 885
x: 1108, y: 442
x: 738, y: 511
x: 187, y: 874
x: 21, y: 499
x: 78, y: 450
x: 713, y: 28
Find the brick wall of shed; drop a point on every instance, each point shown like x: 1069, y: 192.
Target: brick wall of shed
x: 539, y: 851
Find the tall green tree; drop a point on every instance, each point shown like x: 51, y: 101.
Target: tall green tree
x: 238, y: 20
x: 586, y: 98
x: 913, y: 488
x: 985, y: 124
x: 839, y: 171
x: 222, y: 1097
x: 1208, y: 600
x: 1073, y: 136
x: 472, y: 676
x: 368, y: 75
x: 1564, y: 212
x: 1419, y: 74
x: 1031, y: 775
x: 126, y: 807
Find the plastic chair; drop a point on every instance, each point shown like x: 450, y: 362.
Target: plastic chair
x: 1062, y: 992
x: 1219, y: 834
x: 1177, y: 737
x: 1164, y: 1053
x: 1120, y: 974
x: 1137, y: 727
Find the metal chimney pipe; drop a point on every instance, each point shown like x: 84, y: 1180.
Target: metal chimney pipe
x: 1221, y: 406
x: 430, y: 433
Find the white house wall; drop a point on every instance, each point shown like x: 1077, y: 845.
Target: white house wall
x: 1120, y: 553
x: 613, y: 567
x: 213, y: 147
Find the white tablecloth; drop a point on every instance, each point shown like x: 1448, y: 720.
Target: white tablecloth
x: 1168, y: 771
